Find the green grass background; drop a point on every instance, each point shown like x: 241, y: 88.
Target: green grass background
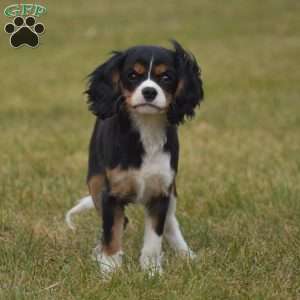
x: 239, y: 178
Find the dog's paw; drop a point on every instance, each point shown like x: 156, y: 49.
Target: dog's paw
x: 151, y: 264
x: 108, y: 263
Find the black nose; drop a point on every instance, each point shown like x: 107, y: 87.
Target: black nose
x: 149, y: 93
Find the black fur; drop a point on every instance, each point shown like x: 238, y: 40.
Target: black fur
x: 109, y: 204
x: 157, y: 209
x: 104, y: 94
x: 105, y: 97
x: 191, y: 93
x: 172, y: 145
x: 116, y: 140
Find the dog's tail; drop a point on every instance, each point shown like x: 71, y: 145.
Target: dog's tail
x: 83, y: 204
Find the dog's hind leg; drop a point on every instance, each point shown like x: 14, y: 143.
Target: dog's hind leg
x: 173, y: 234
x: 96, y: 184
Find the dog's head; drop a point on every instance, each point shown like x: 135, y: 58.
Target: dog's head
x: 147, y: 80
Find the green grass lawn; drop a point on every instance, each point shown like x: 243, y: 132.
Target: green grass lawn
x: 239, y: 175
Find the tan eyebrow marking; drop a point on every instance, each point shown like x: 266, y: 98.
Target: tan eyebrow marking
x: 139, y: 68
x: 160, y: 69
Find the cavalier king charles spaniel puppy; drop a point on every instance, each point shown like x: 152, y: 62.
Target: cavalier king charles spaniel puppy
x: 140, y: 96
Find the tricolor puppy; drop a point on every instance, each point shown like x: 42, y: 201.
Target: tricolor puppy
x: 139, y: 96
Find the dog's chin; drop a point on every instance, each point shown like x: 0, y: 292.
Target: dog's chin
x: 148, y: 109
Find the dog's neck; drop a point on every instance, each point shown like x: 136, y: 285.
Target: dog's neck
x: 152, y: 129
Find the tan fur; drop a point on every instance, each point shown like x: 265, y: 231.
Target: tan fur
x: 115, y: 78
x: 156, y: 186
x: 139, y: 68
x: 95, y: 185
x: 160, y: 69
x: 115, y: 244
x: 179, y: 88
x: 122, y: 182
x: 127, y: 95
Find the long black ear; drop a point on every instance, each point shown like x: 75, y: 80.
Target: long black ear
x: 103, y: 92
x: 189, y: 91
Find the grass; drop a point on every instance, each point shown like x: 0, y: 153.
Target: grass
x: 239, y: 167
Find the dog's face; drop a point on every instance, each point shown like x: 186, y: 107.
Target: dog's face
x: 147, y: 80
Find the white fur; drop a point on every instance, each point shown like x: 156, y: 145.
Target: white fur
x: 83, y: 204
x: 109, y: 264
x: 159, y: 101
x: 173, y: 234
x: 155, y: 166
x: 150, y: 67
x: 156, y: 163
x: 150, y: 259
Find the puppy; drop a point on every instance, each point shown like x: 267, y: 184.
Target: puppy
x: 139, y: 96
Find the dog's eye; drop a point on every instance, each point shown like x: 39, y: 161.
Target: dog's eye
x: 132, y: 76
x: 165, y: 77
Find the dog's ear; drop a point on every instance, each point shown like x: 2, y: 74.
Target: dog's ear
x: 189, y: 91
x: 104, y: 95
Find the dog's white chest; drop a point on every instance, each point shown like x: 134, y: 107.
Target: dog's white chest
x: 155, y: 176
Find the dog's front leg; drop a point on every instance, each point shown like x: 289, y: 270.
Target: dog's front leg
x: 113, y: 219
x: 156, y: 212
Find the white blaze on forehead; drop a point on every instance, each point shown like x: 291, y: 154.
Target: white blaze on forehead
x: 160, y: 101
x: 150, y: 67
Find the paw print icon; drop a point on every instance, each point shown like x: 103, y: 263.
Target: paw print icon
x: 24, y: 32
